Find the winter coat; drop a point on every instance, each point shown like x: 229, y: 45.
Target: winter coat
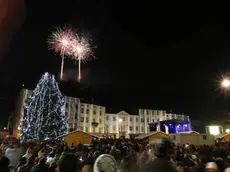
x: 160, y: 165
x: 87, y: 168
x: 12, y: 155
x: 40, y: 168
x: 25, y: 168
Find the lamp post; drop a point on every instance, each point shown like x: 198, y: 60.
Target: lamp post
x: 120, y: 121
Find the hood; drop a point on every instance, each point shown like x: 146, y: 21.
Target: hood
x: 105, y: 163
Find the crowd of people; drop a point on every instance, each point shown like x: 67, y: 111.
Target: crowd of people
x: 113, y: 155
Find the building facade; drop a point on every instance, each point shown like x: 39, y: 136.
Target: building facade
x: 72, y: 107
x: 91, y: 118
x: 94, y: 119
x: 148, y: 116
x: 122, y: 124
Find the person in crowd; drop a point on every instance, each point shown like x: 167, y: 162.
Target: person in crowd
x: 28, y: 166
x: 68, y: 163
x: 220, y: 164
x: 4, y: 164
x: 121, y: 155
x: 11, y: 154
x: 180, y: 167
x: 161, y: 162
x: 188, y: 162
x: 105, y: 163
x: 50, y: 159
x: 29, y: 153
x: 41, y: 166
x: 211, y: 167
x: 22, y: 162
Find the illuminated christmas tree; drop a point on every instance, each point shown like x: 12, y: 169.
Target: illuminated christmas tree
x: 43, y: 114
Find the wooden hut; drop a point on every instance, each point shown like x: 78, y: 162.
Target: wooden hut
x: 152, y: 136
x: 192, y: 137
x: 80, y: 137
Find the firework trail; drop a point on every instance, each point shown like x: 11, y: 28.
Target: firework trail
x: 61, y: 42
x: 81, y: 52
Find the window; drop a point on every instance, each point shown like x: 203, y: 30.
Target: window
x: 142, y: 129
x: 82, y: 119
x: 94, y: 112
x: 82, y: 110
x: 131, y: 128
x: 114, y: 118
x: 100, y: 121
x: 87, y: 120
x: 66, y: 105
x: 204, y: 137
x: 76, y: 116
x: 142, y: 119
x: 76, y: 107
x: 131, y: 119
x: 107, y: 118
x: 137, y: 119
x: 86, y: 129
x: 87, y: 111
x: 147, y: 120
x: 100, y: 113
x: 137, y: 128
x: 114, y: 128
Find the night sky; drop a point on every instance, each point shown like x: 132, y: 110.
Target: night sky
x: 160, y: 56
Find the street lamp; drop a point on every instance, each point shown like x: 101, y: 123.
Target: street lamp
x: 225, y: 83
x: 120, y: 121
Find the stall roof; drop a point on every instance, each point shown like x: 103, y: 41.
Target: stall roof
x: 220, y: 136
x: 98, y: 135
x: 145, y: 135
x: 189, y: 132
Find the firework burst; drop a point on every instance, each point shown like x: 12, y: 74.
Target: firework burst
x: 67, y: 43
x: 61, y: 42
x: 81, y: 52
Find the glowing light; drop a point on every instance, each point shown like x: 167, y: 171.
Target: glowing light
x: 43, y: 114
x: 120, y: 120
x: 227, y: 130
x: 226, y: 83
x: 68, y: 43
x: 214, y: 130
x: 61, y: 42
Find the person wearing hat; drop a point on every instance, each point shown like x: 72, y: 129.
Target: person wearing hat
x: 211, y: 167
x: 161, y: 163
x: 105, y: 163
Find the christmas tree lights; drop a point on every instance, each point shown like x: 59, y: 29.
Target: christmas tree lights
x: 43, y: 114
